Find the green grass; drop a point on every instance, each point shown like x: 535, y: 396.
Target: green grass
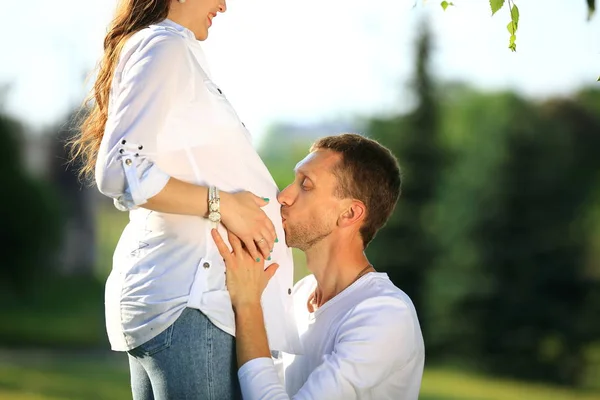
x: 58, y: 313
x: 64, y: 379
x: 448, y: 385
x: 107, y: 378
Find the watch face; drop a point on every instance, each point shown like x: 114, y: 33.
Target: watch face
x: 214, y: 216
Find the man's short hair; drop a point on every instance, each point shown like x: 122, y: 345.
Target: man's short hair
x: 368, y: 172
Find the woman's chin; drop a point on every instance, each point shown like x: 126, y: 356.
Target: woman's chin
x: 203, y: 35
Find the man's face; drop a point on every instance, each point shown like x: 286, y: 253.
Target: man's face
x: 309, y: 207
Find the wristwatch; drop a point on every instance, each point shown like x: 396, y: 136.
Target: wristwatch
x: 214, y: 213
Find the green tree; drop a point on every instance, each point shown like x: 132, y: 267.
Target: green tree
x: 406, y: 248
x: 472, y: 130
x: 533, y: 312
x: 30, y: 215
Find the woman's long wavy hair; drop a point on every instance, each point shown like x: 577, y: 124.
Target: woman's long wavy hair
x: 131, y: 16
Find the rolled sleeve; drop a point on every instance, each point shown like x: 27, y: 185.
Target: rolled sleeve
x: 152, y: 77
x: 144, y: 180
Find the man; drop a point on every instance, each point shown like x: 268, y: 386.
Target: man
x: 360, y: 333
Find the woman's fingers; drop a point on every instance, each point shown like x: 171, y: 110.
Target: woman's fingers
x: 251, y: 224
x: 265, y: 244
x: 269, y: 234
x: 251, y: 249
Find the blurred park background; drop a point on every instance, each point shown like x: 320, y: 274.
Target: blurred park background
x: 496, y: 237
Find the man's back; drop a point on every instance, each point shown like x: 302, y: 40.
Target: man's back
x: 364, y: 343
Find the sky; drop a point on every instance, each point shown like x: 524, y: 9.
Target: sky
x: 309, y: 60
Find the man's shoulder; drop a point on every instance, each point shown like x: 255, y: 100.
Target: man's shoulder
x: 379, y: 285
x: 378, y: 296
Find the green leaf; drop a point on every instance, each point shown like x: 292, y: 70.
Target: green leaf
x: 514, y: 15
x: 512, y: 45
x: 446, y: 4
x: 512, y: 28
x: 591, y: 8
x: 496, y: 5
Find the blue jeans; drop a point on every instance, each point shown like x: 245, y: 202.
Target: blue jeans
x: 190, y: 360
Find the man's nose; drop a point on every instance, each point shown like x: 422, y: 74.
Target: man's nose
x: 283, y: 197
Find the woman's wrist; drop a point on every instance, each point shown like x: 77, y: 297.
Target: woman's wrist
x: 225, y: 203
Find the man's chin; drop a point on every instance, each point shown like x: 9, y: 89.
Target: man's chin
x: 288, y: 239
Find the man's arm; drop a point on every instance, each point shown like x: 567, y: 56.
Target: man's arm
x: 251, y: 336
x: 246, y: 280
x: 378, y: 338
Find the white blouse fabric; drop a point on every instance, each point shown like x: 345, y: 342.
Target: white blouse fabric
x: 167, y: 118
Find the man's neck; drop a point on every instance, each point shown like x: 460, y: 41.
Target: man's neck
x: 335, y: 266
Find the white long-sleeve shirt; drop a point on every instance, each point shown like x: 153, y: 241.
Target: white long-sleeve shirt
x: 365, y: 343
x: 167, y: 118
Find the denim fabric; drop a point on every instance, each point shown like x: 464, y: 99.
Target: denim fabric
x: 191, y: 360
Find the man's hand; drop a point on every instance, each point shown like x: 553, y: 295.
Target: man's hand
x: 246, y: 279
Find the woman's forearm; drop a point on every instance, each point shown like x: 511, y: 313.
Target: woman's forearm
x: 241, y: 212
x: 179, y: 197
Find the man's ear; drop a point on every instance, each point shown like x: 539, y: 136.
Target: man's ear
x: 354, y: 213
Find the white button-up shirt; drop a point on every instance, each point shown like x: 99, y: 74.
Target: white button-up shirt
x: 166, y: 118
x: 365, y: 343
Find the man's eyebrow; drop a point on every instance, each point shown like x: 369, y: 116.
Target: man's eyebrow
x: 298, y: 170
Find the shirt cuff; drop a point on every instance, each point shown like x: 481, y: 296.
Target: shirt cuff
x: 259, y: 380
x: 143, y: 182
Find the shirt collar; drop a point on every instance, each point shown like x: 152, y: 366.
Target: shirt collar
x: 179, y: 28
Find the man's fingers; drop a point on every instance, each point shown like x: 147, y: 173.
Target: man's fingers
x: 221, y: 246
x: 270, y: 271
x: 236, y: 243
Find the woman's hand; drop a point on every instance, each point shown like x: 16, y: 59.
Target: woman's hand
x: 242, y: 215
x: 246, y: 279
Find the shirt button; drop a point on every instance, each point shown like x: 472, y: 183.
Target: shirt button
x: 289, y: 291
x: 206, y: 265
x: 128, y: 161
